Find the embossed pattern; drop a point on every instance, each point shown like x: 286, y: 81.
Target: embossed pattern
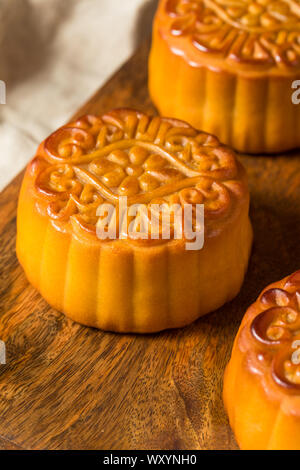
x: 95, y: 160
x: 278, y: 329
x: 258, y: 32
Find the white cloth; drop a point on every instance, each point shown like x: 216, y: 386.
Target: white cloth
x: 54, y: 54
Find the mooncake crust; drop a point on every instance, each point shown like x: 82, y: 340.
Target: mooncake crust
x: 228, y: 68
x: 251, y: 38
x: 128, y: 284
x: 262, y: 379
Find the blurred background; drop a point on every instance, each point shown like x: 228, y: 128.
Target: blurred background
x: 54, y: 54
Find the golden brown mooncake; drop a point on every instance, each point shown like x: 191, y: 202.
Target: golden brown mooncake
x: 262, y: 379
x: 129, y: 284
x: 227, y: 67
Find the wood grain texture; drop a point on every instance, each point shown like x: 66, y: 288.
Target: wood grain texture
x: 70, y: 387
x: 6, y: 445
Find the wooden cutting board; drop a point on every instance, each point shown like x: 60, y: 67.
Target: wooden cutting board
x: 69, y: 387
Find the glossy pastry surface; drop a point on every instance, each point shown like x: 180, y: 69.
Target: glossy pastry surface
x: 228, y: 68
x: 262, y: 379
x: 128, y: 283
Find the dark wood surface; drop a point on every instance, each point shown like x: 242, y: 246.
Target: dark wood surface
x: 69, y: 387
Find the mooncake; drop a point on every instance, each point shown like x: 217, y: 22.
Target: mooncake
x: 262, y: 379
x: 126, y: 283
x: 228, y: 67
